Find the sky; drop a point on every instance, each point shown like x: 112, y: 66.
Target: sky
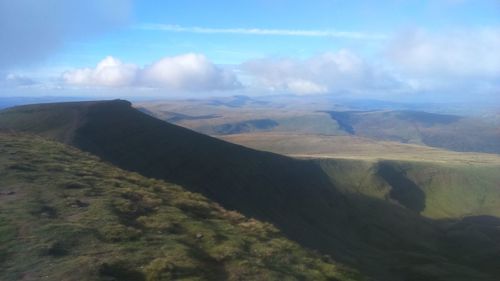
x: 394, y: 49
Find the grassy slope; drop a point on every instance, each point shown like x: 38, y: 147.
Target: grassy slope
x: 455, y: 184
x: 451, y: 190
x: 53, y: 122
x: 67, y: 216
x: 446, y: 185
x: 352, y: 147
x: 380, y: 238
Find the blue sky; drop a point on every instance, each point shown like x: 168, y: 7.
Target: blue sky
x: 196, y: 48
x: 370, y: 17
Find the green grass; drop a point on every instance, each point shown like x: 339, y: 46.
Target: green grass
x: 452, y: 190
x: 458, y: 190
x: 455, y: 184
x: 65, y: 215
x: 52, y: 121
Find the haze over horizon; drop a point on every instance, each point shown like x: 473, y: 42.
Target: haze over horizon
x: 438, y: 50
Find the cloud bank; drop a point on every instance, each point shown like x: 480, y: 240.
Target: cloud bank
x: 455, y: 54
x: 188, y: 72
x: 12, y: 80
x: 320, y: 74
x: 459, y: 60
x: 32, y: 29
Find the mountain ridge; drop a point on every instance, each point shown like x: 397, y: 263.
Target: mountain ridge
x: 297, y: 196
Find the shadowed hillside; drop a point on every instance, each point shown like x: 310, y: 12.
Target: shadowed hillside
x: 67, y: 216
x: 380, y: 238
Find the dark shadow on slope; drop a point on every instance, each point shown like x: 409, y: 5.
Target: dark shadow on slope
x: 344, y: 120
x: 474, y: 240
x: 403, y: 190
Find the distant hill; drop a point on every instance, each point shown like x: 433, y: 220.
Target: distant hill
x: 65, y: 215
x: 245, y: 126
x: 382, y: 239
x: 468, y: 133
x: 354, y: 147
x: 236, y: 101
x: 438, y: 130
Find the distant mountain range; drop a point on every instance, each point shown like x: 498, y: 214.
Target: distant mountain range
x: 387, y: 121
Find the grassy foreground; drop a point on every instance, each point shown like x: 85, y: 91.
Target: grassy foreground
x: 65, y: 215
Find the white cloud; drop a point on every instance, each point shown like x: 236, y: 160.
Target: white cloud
x: 188, y: 72
x: 324, y: 73
x: 465, y: 53
x: 16, y: 80
x: 261, y: 31
x: 305, y: 87
x: 109, y: 72
x: 459, y: 61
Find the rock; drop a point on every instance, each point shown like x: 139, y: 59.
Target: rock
x: 78, y: 204
x: 45, y: 215
x: 8, y: 193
